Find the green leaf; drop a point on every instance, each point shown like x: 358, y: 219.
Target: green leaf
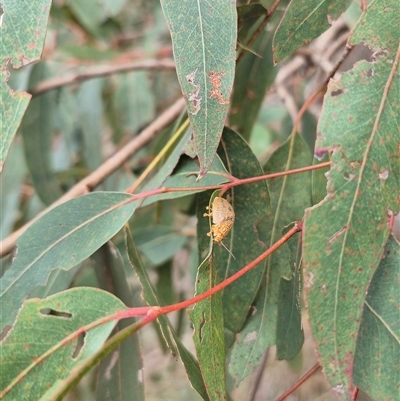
x: 254, y: 74
x: 158, y: 243
x: 90, y: 112
x: 37, y: 130
x: 88, y: 13
x: 360, y: 123
x: 61, y: 239
x: 13, y: 105
x: 133, y: 111
x: 204, y: 41
x: 23, y: 31
x: 171, y: 161
x: 172, y: 340
x: 208, y: 322
x: 36, y: 354
x: 249, y: 18
x: 289, y: 329
x: 319, y: 181
x: 246, y: 239
x: 184, y: 176
x: 120, y: 375
x: 376, y: 364
x: 382, y: 19
x: 287, y: 208
x: 303, y: 21
x: 10, y: 184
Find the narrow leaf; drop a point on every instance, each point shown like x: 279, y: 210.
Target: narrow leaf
x: 376, y: 365
x: 247, y: 238
x: 172, y: 340
x: 289, y: 329
x: 37, y: 130
x: 254, y: 74
x: 290, y: 195
x: 207, y: 319
x: 23, y: 30
x: 60, y: 240
x: 120, y: 375
x: 204, y: 40
x: 303, y: 21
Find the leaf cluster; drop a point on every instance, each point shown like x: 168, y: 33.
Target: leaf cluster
x: 106, y: 174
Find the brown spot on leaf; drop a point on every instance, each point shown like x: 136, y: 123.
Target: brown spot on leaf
x: 215, y: 80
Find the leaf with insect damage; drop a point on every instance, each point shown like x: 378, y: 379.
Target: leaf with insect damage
x: 359, y: 124
x: 204, y: 41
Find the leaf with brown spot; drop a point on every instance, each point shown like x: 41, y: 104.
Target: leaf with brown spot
x: 345, y: 236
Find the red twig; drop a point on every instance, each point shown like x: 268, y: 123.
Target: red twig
x: 355, y: 394
x: 299, y: 383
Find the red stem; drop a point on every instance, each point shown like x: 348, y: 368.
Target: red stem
x: 299, y: 383
x: 355, y: 394
x: 234, y: 183
x: 182, y: 305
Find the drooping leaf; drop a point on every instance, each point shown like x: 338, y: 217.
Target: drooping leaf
x: 90, y: 111
x: 378, y: 344
x: 249, y: 18
x: 303, y: 21
x: 173, y: 341
x: 89, y: 13
x: 360, y: 124
x: 204, y: 40
x: 62, y: 238
x: 254, y: 74
x: 14, y: 105
x: 133, y: 111
x: 158, y: 242
x: 207, y: 319
x: 37, y: 130
x: 120, y: 375
x: 171, y: 161
x: 290, y: 195
x: 23, y: 31
x: 246, y: 238
x: 289, y: 329
x: 11, y: 180
x: 37, y: 354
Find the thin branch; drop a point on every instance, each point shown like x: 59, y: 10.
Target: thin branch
x: 185, y: 304
x: 355, y: 394
x: 101, y: 71
x: 149, y: 313
x: 260, y: 28
x: 319, y: 90
x: 299, y: 383
x: 105, y: 170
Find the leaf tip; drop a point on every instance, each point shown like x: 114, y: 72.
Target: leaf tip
x: 202, y: 173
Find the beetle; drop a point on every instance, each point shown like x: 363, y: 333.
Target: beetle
x: 223, y: 217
